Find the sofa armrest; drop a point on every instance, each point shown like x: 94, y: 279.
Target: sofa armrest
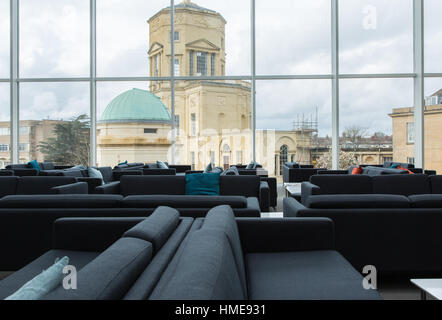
x: 264, y: 196
x: 90, y: 234
x: 92, y: 183
x: 308, y: 189
x: 109, y: 188
x: 291, y: 207
x: 287, y: 234
x: 25, y: 172
x: 74, y: 188
x: 118, y: 174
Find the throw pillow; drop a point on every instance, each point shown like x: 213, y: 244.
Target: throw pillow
x: 395, y: 166
x: 34, y: 164
x: 162, y: 165
x: 42, y: 284
x: 94, y: 173
x: 357, y: 170
x: 125, y: 162
x: 209, y: 168
x: 206, y: 184
x: 404, y: 169
x: 251, y: 165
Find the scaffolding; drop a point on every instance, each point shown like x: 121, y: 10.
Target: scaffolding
x: 305, y: 128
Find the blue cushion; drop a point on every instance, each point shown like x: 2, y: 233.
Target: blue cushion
x: 42, y: 284
x: 125, y: 162
x: 209, y: 168
x: 34, y: 164
x: 202, y: 184
x: 94, y: 173
x: 162, y: 165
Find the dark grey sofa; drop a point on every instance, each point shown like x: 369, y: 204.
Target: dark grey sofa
x: 165, y: 257
x: 294, y: 172
x: 248, y: 195
x: 392, y: 221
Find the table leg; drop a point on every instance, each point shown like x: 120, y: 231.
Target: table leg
x: 423, y: 295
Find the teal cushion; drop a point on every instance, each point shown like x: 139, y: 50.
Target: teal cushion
x: 125, y: 162
x: 34, y: 164
x: 162, y: 165
x: 209, y: 168
x: 206, y: 184
x: 394, y: 166
x: 42, y: 284
x: 94, y: 173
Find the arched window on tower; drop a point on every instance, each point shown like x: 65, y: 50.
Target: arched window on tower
x: 283, y: 156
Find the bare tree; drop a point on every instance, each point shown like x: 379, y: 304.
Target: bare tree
x: 354, y: 135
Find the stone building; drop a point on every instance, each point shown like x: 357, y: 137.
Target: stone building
x: 32, y: 132
x: 403, y: 133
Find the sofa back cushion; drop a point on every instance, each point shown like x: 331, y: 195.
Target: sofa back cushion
x: 357, y: 201
x: 207, y: 271
x: 8, y: 185
x: 202, y: 184
x: 66, y: 201
x: 148, y: 185
x: 342, y: 184
x: 182, y: 201
x: 405, y: 185
x: 106, y: 172
x: 77, y: 173
x: 436, y: 184
x: 156, y: 228
x: 222, y: 218
x: 47, y: 166
x: 41, y: 185
x: 247, y: 186
x: 110, y: 275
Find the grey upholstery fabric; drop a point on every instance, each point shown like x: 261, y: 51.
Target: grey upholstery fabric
x: 147, y: 281
x: 222, y: 218
x: 310, y: 275
x: 345, y: 184
x: 156, y: 228
x: 247, y: 186
x: 106, y: 172
x: 47, y: 166
x: 16, y: 280
x: 8, y: 185
x: 41, y: 185
x: 348, y: 201
x: 110, y: 275
x: 426, y: 201
x: 207, y: 271
x: 183, y: 201
x: 436, y: 184
x: 402, y: 184
x: 57, y: 201
x: 74, y: 188
x: 150, y: 185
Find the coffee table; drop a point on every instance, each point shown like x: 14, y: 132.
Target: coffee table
x: 293, y: 190
x: 429, y: 287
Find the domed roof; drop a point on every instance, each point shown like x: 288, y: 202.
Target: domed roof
x: 136, y: 105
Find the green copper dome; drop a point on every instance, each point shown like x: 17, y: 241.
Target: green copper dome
x: 136, y: 105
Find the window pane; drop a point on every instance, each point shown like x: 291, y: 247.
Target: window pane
x: 214, y: 123
x: 54, y: 122
x: 4, y: 38
x: 293, y: 37
x: 5, y: 138
x: 433, y: 127
x: 221, y: 28
x: 54, y: 38
x: 124, y: 36
x: 376, y: 121
x: 133, y: 123
x: 376, y: 36
x: 293, y: 122
x: 433, y: 35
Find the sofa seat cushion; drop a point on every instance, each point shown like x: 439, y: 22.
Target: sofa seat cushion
x: 309, y: 275
x: 350, y: 201
x: 111, y: 274
x: 61, y: 201
x: 206, y: 271
x: 16, y: 280
x: 426, y: 201
x: 8, y: 185
x: 184, y: 201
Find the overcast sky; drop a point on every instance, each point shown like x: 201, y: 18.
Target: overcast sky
x: 293, y: 37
